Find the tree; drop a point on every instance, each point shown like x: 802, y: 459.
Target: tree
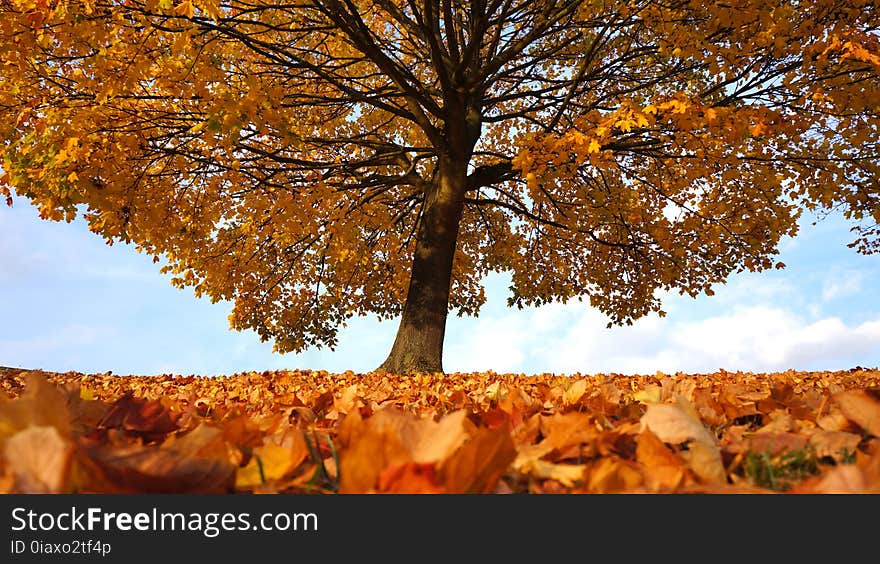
x: 320, y: 159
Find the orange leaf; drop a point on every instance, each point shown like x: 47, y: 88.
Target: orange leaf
x: 862, y: 408
x: 835, y: 444
x: 41, y: 404
x: 409, y: 477
x: 675, y: 424
x: 39, y: 458
x: 271, y: 462
x: 662, y: 468
x: 148, y: 419
x: 611, y: 474
x: 370, y: 446
x: 151, y: 469
x: 562, y: 431
x: 478, y: 465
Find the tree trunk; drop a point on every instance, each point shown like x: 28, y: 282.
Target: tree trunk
x: 418, y: 346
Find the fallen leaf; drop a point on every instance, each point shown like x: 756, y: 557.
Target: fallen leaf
x: 348, y: 401
x: 566, y: 474
x: 834, y: 444
x: 204, y: 441
x: 562, y: 431
x: 836, y: 421
x: 675, y: 425
x: 477, y: 466
x: 39, y: 458
x: 611, y: 474
x: 574, y: 392
x: 437, y: 441
x: 662, y: 468
x: 780, y: 422
x: 409, y: 477
x: 845, y: 479
x: 41, y: 404
x: 650, y: 394
x: 861, y: 408
x: 767, y: 441
x: 151, y: 469
x: 148, y: 419
x: 270, y: 463
x: 369, y: 447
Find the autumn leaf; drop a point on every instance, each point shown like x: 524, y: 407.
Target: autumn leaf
x: 271, y: 462
x: 575, y: 392
x: 230, y: 435
x: 566, y: 474
x: 409, y: 477
x: 862, y: 408
x: 437, y: 441
x: 40, y: 459
x: 768, y: 442
x: 148, y: 419
x: 151, y: 469
x: 662, y: 468
x: 833, y: 444
x: 477, y: 466
x: 612, y: 475
x: 205, y: 441
x: 673, y: 424
x: 41, y: 404
x: 570, y: 432
x: 348, y: 401
x: 369, y: 447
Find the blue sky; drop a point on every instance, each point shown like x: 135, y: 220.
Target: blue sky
x: 68, y: 301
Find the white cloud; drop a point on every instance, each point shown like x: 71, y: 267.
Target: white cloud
x: 570, y: 339
x: 494, y: 343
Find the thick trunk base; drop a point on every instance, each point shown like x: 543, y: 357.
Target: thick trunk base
x: 418, y: 347
x: 411, y: 363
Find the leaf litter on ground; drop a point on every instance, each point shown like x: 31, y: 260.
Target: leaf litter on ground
x: 313, y: 432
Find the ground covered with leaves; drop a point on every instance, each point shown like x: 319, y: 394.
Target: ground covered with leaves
x: 315, y: 432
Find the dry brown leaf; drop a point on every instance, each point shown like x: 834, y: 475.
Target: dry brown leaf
x: 391, y: 437
x: 769, y: 442
x: 270, y: 463
x: 409, y: 477
x: 151, y: 469
x: 437, y: 441
x: 566, y: 474
x: 781, y: 421
x: 348, y: 401
x: 575, y: 392
x: 205, y: 441
x: 150, y: 420
x: 39, y: 458
x: 862, y: 408
x: 611, y: 474
x: 369, y: 447
x: 674, y: 424
x: 477, y: 466
x: 845, y: 479
x: 662, y: 468
x: 835, y: 420
x: 834, y: 444
x: 41, y: 404
x: 564, y: 430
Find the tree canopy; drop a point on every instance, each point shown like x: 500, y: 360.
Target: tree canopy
x: 320, y: 159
